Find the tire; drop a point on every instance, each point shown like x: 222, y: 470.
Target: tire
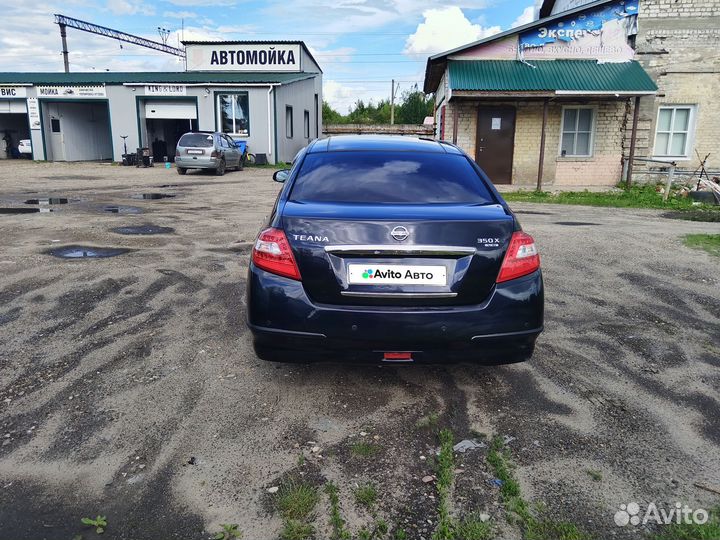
x: 251, y: 159
x: 220, y: 171
x: 181, y: 171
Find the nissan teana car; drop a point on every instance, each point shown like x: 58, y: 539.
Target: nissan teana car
x: 392, y: 249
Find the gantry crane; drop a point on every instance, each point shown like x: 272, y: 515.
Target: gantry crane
x: 64, y: 22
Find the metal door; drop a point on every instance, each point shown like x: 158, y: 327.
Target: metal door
x: 495, y: 142
x: 57, y: 142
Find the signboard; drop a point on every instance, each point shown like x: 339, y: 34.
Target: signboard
x: 33, y: 111
x: 599, y: 33
x: 243, y: 57
x: 165, y: 90
x: 12, y: 92
x: 71, y: 92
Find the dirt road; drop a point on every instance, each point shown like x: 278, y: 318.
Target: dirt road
x: 129, y: 389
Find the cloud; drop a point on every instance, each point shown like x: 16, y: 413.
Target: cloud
x: 202, y: 3
x: 355, y: 16
x: 129, y: 7
x: 180, y: 14
x: 528, y: 15
x: 444, y: 29
x: 340, y: 97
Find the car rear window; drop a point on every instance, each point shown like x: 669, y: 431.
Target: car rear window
x: 196, y: 140
x: 389, y: 178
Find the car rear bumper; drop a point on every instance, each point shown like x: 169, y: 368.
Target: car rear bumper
x: 190, y: 162
x: 287, y: 326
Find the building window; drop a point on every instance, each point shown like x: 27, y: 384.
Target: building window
x: 234, y: 113
x: 672, y: 131
x: 289, y: 122
x: 577, y: 132
x: 306, y: 124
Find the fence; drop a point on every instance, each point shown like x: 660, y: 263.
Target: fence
x: 412, y: 130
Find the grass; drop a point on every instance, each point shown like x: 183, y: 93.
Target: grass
x: 363, y: 449
x: 336, y: 520
x: 684, y: 531
x: 473, y: 528
x: 296, y: 502
x: 294, y: 529
x: 229, y: 531
x: 428, y: 422
x: 468, y: 528
x: 707, y: 242
x: 400, y: 534
x: 535, y: 526
x: 595, y: 475
x: 280, y: 165
x: 100, y: 523
x: 637, y: 196
x: 444, y: 474
x: 366, y: 495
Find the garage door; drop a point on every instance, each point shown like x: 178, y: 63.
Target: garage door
x: 171, y: 110
x: 7, y: 106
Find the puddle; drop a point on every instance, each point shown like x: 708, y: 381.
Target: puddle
x: 533, y: 212
x: 48, y: 200
x: 574, y: 223
x: 71, y: 177
x: 143, y: 229
x: 82, y: 252
x: 122, y: 209
x: 709, y: 216
x: 24, y: 210
x: 154, y: 196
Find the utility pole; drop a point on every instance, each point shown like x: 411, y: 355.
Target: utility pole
x: 63, y: 36
x: 392, y: 102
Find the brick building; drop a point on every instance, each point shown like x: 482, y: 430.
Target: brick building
x: 553, y: 101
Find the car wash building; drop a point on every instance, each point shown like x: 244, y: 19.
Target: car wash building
x: 266, y: 93
x: 550, y: 103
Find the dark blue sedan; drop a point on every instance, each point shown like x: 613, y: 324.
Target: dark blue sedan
x: 392, y: 249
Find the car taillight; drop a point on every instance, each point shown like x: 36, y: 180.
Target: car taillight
x: 521, y: 258
x: 214, y: 153
x: 272, y: 253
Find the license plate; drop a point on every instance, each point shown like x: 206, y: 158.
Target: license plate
x: 396, y: 274
x: 196, y: 151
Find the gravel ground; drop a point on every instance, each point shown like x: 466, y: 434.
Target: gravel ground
x: 128, y: 385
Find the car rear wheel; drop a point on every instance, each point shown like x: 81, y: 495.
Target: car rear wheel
x: 181, y: 171
x: 220, y: 169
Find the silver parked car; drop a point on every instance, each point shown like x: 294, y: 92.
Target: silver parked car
x: 207, y: 150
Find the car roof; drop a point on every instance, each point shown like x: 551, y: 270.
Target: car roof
x: 349, y: 143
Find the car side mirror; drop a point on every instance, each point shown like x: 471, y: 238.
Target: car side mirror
x: 281, y: 176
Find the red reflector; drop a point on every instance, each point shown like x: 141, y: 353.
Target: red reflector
x: 397, y: 356
x: 521, y: 258
x: 272, y: 253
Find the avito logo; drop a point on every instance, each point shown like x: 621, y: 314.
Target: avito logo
x: 393, y: 274
x: 387, y: 274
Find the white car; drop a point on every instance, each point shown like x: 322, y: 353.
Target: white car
x: 25, y: 148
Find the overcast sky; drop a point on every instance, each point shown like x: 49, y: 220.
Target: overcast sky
x: 360, y: 44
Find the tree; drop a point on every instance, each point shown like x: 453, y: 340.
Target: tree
x: 414, y: 106
x: 330, y: 115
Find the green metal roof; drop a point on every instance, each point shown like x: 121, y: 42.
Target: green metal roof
x: 187, y: 77
x: 549, y: 75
